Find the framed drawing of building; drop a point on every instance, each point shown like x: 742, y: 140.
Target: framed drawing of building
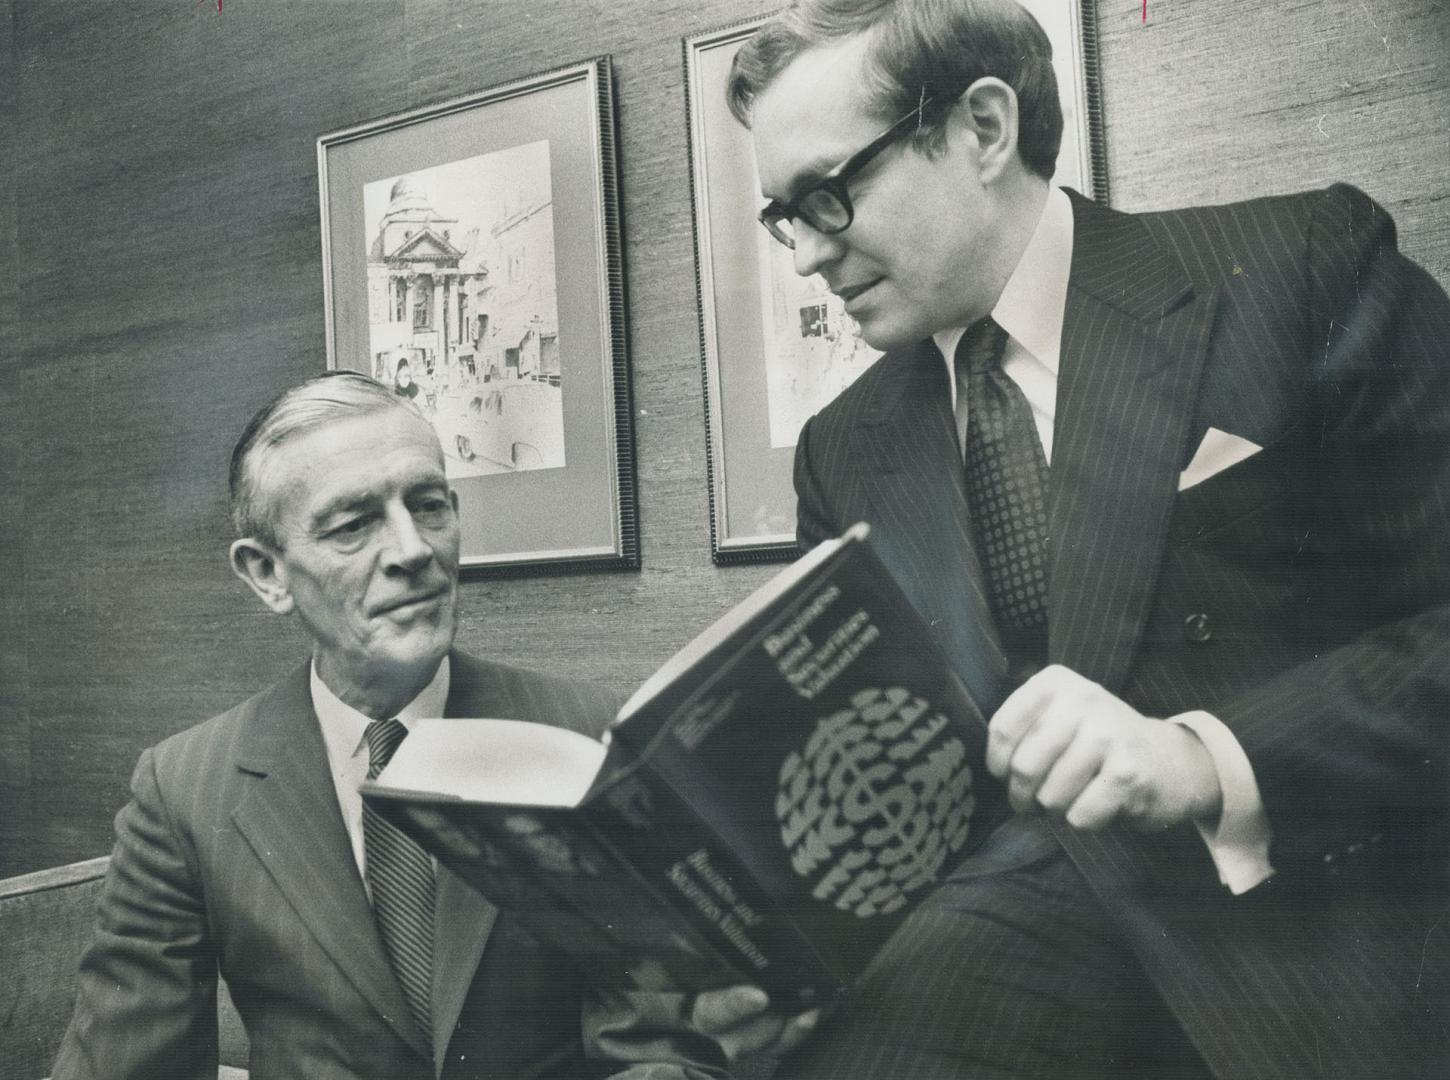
x: 471, y: 260
x: 776, y: 347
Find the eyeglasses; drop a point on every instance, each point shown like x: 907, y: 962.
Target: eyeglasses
x: 825, y: 205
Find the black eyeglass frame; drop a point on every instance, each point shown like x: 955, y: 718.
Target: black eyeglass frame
x: 834, y: 183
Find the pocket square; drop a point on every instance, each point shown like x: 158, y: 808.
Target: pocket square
x: 1217, y: 452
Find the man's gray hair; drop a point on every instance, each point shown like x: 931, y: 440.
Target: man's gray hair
x: 919, y: 50
x: 321, y: 400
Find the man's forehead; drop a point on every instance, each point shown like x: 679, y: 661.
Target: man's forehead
x: 362, y: 432
x: 812, y: 115
x: 348, y: 458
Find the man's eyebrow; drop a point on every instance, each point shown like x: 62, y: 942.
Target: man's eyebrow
x: 342, y: 504
x: 424, y: 487
x: 808, y: 174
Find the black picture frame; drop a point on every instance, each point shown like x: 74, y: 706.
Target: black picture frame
x: 472, y: 255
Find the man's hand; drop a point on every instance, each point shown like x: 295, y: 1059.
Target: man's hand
x: 1066, y: 745
x: 739, y: 1019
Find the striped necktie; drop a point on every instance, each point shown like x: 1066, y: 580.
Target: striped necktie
x: 400, y: 877
x: 1006, y: 482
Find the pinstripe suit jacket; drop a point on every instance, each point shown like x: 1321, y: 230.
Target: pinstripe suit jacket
x: 232, y: 857
x: 1302, y: 595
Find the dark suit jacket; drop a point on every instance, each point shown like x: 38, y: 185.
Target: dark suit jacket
x: 1302, y: 596
x: 232, y: 857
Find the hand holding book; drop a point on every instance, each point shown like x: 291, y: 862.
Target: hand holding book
x: 741, y: 1021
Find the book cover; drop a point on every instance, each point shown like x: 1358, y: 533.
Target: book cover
x: 771, y: 804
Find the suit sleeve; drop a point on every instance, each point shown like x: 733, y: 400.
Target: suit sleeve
x: 146, y: 1002
x: 1350, y: 749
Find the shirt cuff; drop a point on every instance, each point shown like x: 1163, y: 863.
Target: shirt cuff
x: 1239, y: 842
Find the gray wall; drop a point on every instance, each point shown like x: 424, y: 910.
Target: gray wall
x: 160, y: 277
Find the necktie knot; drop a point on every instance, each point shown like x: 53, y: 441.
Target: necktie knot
x: 980, y: 349
x: 383, y: 738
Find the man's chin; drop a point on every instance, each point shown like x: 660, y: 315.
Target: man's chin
x: 399, y: 679
x: 383, y: 675
x: 419, y: 650
x: 885, y: 330
x: 883, y: 336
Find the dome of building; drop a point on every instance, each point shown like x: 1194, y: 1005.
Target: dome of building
x: 409, y: 197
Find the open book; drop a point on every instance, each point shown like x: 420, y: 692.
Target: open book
x: 768, y: 807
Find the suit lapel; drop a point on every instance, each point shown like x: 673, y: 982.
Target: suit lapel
x: 462, y: 924
x: 912, y: 477
x: 463, y: 917
x: 291, y: 819
x: 1133, y: 341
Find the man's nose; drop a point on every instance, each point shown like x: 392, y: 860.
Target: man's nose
x: 814, y: 249
x: 405, y: 547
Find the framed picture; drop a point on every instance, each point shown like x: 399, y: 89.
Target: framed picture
x: 776, y: 347
x: 471, y: 260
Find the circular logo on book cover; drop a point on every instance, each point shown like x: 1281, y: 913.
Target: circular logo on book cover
x: 875, y: 804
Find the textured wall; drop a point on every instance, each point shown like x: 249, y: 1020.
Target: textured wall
x: 160, y: 277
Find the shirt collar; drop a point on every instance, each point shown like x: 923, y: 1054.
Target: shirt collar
x: 343, y: 726
x: 1034, y: 301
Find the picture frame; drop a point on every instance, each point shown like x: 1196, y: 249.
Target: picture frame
x: 775, y: 348
x: 472, y: 259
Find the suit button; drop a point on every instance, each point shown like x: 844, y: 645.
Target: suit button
x: 1197, y: 628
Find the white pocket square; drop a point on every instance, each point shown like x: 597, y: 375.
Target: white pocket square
x: 1217, y: 452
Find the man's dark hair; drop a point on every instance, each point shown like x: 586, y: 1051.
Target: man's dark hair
x: 919, y: 50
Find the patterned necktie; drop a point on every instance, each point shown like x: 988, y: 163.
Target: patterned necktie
x: 1006, y: 480
x: 400, y: 876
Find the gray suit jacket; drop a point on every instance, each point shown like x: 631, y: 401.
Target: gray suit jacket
x: 1302, y: 595
x: 232, y: 857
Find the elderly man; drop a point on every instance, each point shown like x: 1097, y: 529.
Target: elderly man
x: 1179, y: 485
x: 246, y: 850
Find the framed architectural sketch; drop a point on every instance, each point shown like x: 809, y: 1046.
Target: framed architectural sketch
x: 775, y: 347
x: 471, y: 260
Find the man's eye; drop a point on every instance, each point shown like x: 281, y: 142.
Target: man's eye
x: 351, y: 527
x: 433, y: 509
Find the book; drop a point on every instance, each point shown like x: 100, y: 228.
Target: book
x: 766, y: 808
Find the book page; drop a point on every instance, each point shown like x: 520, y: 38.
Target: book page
x: 494, y: 761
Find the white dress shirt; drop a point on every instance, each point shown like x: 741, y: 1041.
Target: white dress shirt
x: 1031, y: 310
x: 347, y: 748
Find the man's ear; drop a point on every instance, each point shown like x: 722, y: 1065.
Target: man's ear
x: 258, y: 564
x: 989, y: 110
